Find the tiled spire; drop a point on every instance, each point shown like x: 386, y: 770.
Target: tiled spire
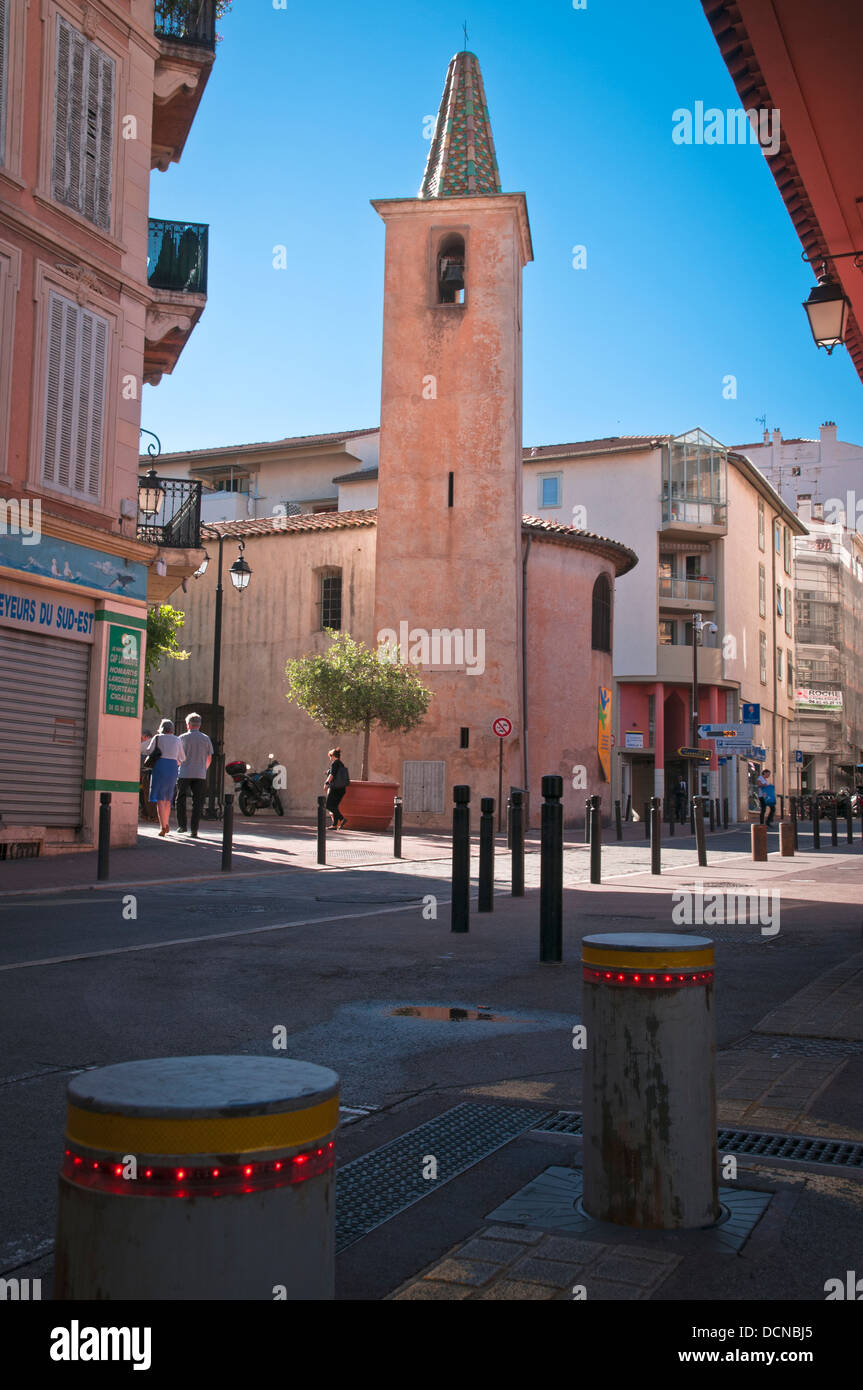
x: 461, y: 159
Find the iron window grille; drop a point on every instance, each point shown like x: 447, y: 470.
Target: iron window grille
x: 331, y: 602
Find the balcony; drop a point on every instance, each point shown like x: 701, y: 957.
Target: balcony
x: 693, y: 516
x: 177, y: 276
x: 186, y: 31
x: 177, y: 523
x: 699, y: 591
x: 674, y: 665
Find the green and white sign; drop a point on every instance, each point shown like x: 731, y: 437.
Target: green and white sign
x: 123, y: 677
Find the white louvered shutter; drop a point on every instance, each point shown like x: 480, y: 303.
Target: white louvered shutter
x: 75, y: 398
x: 4, y: 69
x: 83, y: 125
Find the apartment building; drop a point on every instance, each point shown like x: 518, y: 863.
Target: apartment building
x: 715, y: 539
x: 95, y: 299
x: 827, y: 470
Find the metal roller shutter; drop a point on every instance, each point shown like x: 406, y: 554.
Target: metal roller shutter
x: 43, y: 723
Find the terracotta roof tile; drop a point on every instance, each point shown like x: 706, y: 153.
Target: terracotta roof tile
x: 274, y: 525
x: 624, y: 558
x: 291, y: 442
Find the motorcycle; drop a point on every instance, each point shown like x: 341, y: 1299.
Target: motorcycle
x: 256, y: 790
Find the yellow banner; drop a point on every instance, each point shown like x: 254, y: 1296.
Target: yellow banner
x: 603, y: 733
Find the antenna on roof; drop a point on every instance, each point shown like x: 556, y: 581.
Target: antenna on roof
x: 464, y: 27
x: 762, y: 421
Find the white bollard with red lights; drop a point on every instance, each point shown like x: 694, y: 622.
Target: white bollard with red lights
x: 199, y: 1178
x: 650, y: 1144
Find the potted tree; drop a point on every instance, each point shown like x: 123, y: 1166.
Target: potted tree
x: 350, y: 690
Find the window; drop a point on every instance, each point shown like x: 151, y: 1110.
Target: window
x: 450, y: 270
x: 777, y: 536
x: 762, y: 592
x: 693, y: 566
x: 74, y: 398
x: 4, y: 69
x: 761, y: 523
x: 787, y: 551
x: 331, y: 600
x: 83, y: 126
x: 762, y: 657
x: 779, y: 663
x: 464, y: 738
x: 601, y: 625
x: 789, y: 676
x: 779, y: 600
x: 666, y: 633
x: 549, y: 490
x: 788, y: 613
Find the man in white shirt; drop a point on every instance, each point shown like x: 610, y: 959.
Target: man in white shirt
x: 193, y: 775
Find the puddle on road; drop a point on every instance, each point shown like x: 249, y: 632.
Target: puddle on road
x: 451, y: 1015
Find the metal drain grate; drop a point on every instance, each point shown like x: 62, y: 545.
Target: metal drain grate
x: 799, y: 1148
x: 807, y: 1047
x: 372, y: 1189
x: 838, y: 1153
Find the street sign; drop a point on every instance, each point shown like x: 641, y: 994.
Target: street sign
x: 737, y: 744
x: 757, y: 754
x: 798, y: 755
x: 722, y: 761
x: 750, y: 713
x: 746, y: 731
x: 699, y: 754
x: 502, y: 727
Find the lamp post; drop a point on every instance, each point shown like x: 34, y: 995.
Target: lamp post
x: 240, y: 576
x: 698, y: 628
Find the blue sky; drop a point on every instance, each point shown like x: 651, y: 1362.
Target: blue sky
x: 693, y: 266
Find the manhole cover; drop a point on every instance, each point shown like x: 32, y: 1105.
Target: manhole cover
x: 448, y: 1015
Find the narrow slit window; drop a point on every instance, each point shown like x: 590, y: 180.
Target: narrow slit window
x: 450, y: 489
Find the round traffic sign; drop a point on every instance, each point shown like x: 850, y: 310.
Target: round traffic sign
x: 502, y: 727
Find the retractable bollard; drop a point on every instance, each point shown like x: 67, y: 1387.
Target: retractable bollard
x: 618, y: 826
x: 786, y: 839
x: 228, y: 832
x: 816, y: 825
x: 700, y: 845
x: 322, y: 830
x: 517, y: 862
x: 655, y: 836
x: 397, y: 827
x: 759, y: 843
x: 595, y: 819
x: 198, y: 1178
x: 712, y: 815
x: 725, y: 813
x: 649, y: 1090
x: 551, y: 872
x: 486, y: 855
x: 103, y: 859
x: 460, y: 910
x: 647, y: 820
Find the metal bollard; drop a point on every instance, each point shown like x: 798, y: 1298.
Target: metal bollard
x: 834, y: 828
x: 517, y: 863
x: 486, y: 855
x: 103, y: 860
x: 628, y: 815
x: 551, y: 872
x: 711, y: 815
x: 227, y: 832
x: 699, y: 831
x: 647, y: 820
x: 322, y: 830
x: 509, y: 820
x: 460, y: 912
x: 759, y: 843
x: 397, y: 827
x: 199, y: 1178
x: 595, y: 840
x: 717, y: 811
x: 786, y: 839
x: 794, y: 808
x: 725, y: 813
x: 650, y: 1146
x: 617, y: 822
x: 587, y: 806
x: 655, y: 836
x: 816, y: 825
x: 692, y: 815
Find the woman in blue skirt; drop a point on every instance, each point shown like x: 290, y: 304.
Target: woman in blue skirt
x: 165, y: 772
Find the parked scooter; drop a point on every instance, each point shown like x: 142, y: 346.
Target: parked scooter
x: 256, y: 790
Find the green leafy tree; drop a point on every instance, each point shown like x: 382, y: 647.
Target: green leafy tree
x: 163, y: 623
x: 351, y: 690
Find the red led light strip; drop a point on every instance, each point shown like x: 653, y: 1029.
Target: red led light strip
x: 214, y: 1180
x: 648, y: 979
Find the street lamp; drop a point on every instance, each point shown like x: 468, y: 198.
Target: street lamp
x: 151, y: 493
x: 240, y: 575
x: 827, y: 311
x: 699, y: 627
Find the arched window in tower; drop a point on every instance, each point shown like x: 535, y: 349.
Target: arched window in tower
x: 601, y: 623
x: 451, y: 270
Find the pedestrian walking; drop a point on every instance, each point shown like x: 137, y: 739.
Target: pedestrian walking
x: 680, y: 796
x: 762, y: 782
x: 144, y: 807
x: 165, y: 755
x: 769, y: 801
x: 337, y: 781
x: 192, y: 780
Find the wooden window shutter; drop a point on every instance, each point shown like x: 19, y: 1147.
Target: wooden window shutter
x: 75, y: 398
x: 83, y: 125
x: 4, y: 69
x: 91, y: 404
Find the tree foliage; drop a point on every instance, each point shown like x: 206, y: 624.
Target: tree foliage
x: 351, y: 689
x: 163, y: 623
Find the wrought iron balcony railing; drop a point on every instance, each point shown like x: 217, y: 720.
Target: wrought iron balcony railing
x: 186, y: 21
x: 177, y: 523
x: 177, y: 256
x: 702, y: 588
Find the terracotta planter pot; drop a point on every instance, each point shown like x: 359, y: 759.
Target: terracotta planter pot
x: 369, y: 805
